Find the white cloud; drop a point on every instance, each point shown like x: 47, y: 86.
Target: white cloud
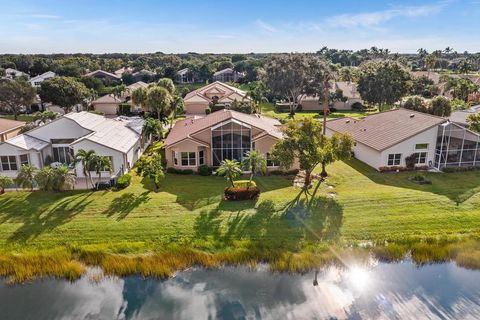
x: 265, y: 26
x: 372, y: 19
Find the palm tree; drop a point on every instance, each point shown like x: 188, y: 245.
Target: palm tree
x: 256, y: 92
x: 26, y: 176
x: 5, y: 182
x: 230, y: 169
x: 177, y: 107
x: 45, y: 179
x: 255, y: 163
x: 152, y: 127
x: 63, y: 179
x: 102, y: 163
x: 160, y: 100
x: 86, y: 158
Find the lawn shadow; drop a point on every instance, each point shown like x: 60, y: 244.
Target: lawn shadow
x: 46, y: 217
x: 124, y: 204
x: 267, y: 225
x: 458, y: 187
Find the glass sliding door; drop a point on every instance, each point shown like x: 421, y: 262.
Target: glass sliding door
x: 230, y: 141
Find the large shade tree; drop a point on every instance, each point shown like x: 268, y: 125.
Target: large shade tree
x: 304, y: 140
x: 288, y: 76
x: 160, y: 100
x: 65, y: 92
x: 383, y: 82
x: 16, y: 94
x: 151, y: 167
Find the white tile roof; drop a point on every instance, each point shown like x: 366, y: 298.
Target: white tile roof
x: 27, y: 142
x: 120, y: 133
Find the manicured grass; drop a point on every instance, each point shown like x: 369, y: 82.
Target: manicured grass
x: 21, y: 117
x: 283, y: 227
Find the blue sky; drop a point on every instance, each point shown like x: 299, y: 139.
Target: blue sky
x: 236, y: 26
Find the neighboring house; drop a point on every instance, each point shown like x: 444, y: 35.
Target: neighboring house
x: 434, y: 76
x: 9, y: 128
x: 119, y: 139
x: 13, y: 74
x: 123, y: 70
x: 385, y: 139
x: 144, y: 75
x: 109, y: 104
x: 214, y: 93
x: 460, y: 116
x: 225, y: 134
x: 227, y: 75
x: 104, y: 75
x: 185, y: 76
x: 37, y: 81
x: 349, y: 90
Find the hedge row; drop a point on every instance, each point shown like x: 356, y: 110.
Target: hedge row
x: 238, y: 193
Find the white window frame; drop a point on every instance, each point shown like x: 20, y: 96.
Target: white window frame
x: 268, y: 158
x: 201, y: 159
x: 9, y: 162
x: 394, y: 159
x: 188, y: 158
x: 20, y: 159
x: 418, y: 157
x: 175, y: 158
x: 416, y: 149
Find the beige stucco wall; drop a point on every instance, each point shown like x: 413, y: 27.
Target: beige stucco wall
x: 106, y: 108
x: 186, y: 146
x: 195, y: 107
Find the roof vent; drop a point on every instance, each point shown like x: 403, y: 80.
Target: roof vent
x: 412, y: 115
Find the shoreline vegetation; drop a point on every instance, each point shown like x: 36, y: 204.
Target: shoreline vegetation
x: 356, y: 215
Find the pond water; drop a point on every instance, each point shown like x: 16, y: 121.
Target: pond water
x: 380, y: 291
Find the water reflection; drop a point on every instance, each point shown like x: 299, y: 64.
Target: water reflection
x: 383, y: 291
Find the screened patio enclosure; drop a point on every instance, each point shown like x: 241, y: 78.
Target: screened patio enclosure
x: 230, y: 140
x: 456, y: 146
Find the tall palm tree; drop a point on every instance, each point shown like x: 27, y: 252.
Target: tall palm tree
x: 86, y: 158
x: 160, y: 100
x: 102, y: 163
x: 63, y: 179
x: 255, y: 163
x: 152, y: 127
x: 46, y: 179
x: 230, y: 169
x: 177, y: 107
x: 26, y: 176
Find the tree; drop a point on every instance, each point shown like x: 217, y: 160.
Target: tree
x: 440, y: 106
x: 305, y: 141
x: 177, y: 101
x: 290, y: 75
x: 139, y: 97
x: 230, y: 169
x: 26, y: 176
x: 168, y: 84
x: 473, y: 122
x: 45, y: 179
x: 100, y: 164
x: 151, y: 167
x: 63, y: 91
x: 86, y: 159
x: 257, y: 92
x: 152, y: 127
x: 383, y: 82
x: 255, y: 163
x: 5, y: 182
x: 416, y: 103
x: 424, y: 86
x: 63, y: 179
x: 16, y: 94
x: 118, y: 90
x: 431, y: 61
x: 461, y: 88
x: 159, y: 100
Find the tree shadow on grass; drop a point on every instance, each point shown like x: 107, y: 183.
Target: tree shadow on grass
x: 124, y: 204
x: 458, y: 187
x: 44, y: 219
x: 269, y: 226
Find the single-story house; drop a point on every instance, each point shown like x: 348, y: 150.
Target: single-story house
x: 227, y: 75
x: 13, y: 74
x: 434, y: 76
x: 144, y: 75
x: 185, y: 76
x: 349, y: 90
x: 216, y: 93
x: 121, y: 139
x: 385, y: 139
x: 110, y: 103
x: 106, y: 76
x: 224, y: 134
x: 9, y: 128
x: 37, y: 81
x: 123, y: 70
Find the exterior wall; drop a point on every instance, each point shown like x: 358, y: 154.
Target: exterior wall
x: 187, y: 146
x: 195, y: 107
x: 9, y: 150
x: 9, y: 134
x: 118, y: 158
x: 407, y: 147
x: 106, y: 108
x: 310, y: 105
x: 60, y: 129
x: 339, y: 105
x: 314, y: 105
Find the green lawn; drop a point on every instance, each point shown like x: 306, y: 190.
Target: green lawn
x: 21, y: 117
x: 190, y: 211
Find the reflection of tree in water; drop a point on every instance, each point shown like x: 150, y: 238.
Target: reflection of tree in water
x: 136, y: 292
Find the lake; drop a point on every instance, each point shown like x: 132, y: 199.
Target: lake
x: 378, y: 291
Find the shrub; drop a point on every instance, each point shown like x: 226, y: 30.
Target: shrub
x: 460, y: 169
x: 410, y: 161
x: 124, y: 109
x: 235, y: 194
x: 204, y: 170
x: 217, y: 107
x: 179, y: 171
x: 420, y: 179
x: 244, y: 184
x: 124, y: 181
x: 292, y: 172
x: 208, y: 110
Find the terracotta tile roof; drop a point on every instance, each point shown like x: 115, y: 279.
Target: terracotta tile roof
x: 7, y: 124
x: 102, y: 72
x: 383, y: 130
x: 185, y: 128
x: 223, y: 88
x: 109, y: 98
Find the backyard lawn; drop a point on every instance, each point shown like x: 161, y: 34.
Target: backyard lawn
x: 360, y: 205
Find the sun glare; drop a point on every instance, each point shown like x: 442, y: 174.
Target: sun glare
x: 359, y: 278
